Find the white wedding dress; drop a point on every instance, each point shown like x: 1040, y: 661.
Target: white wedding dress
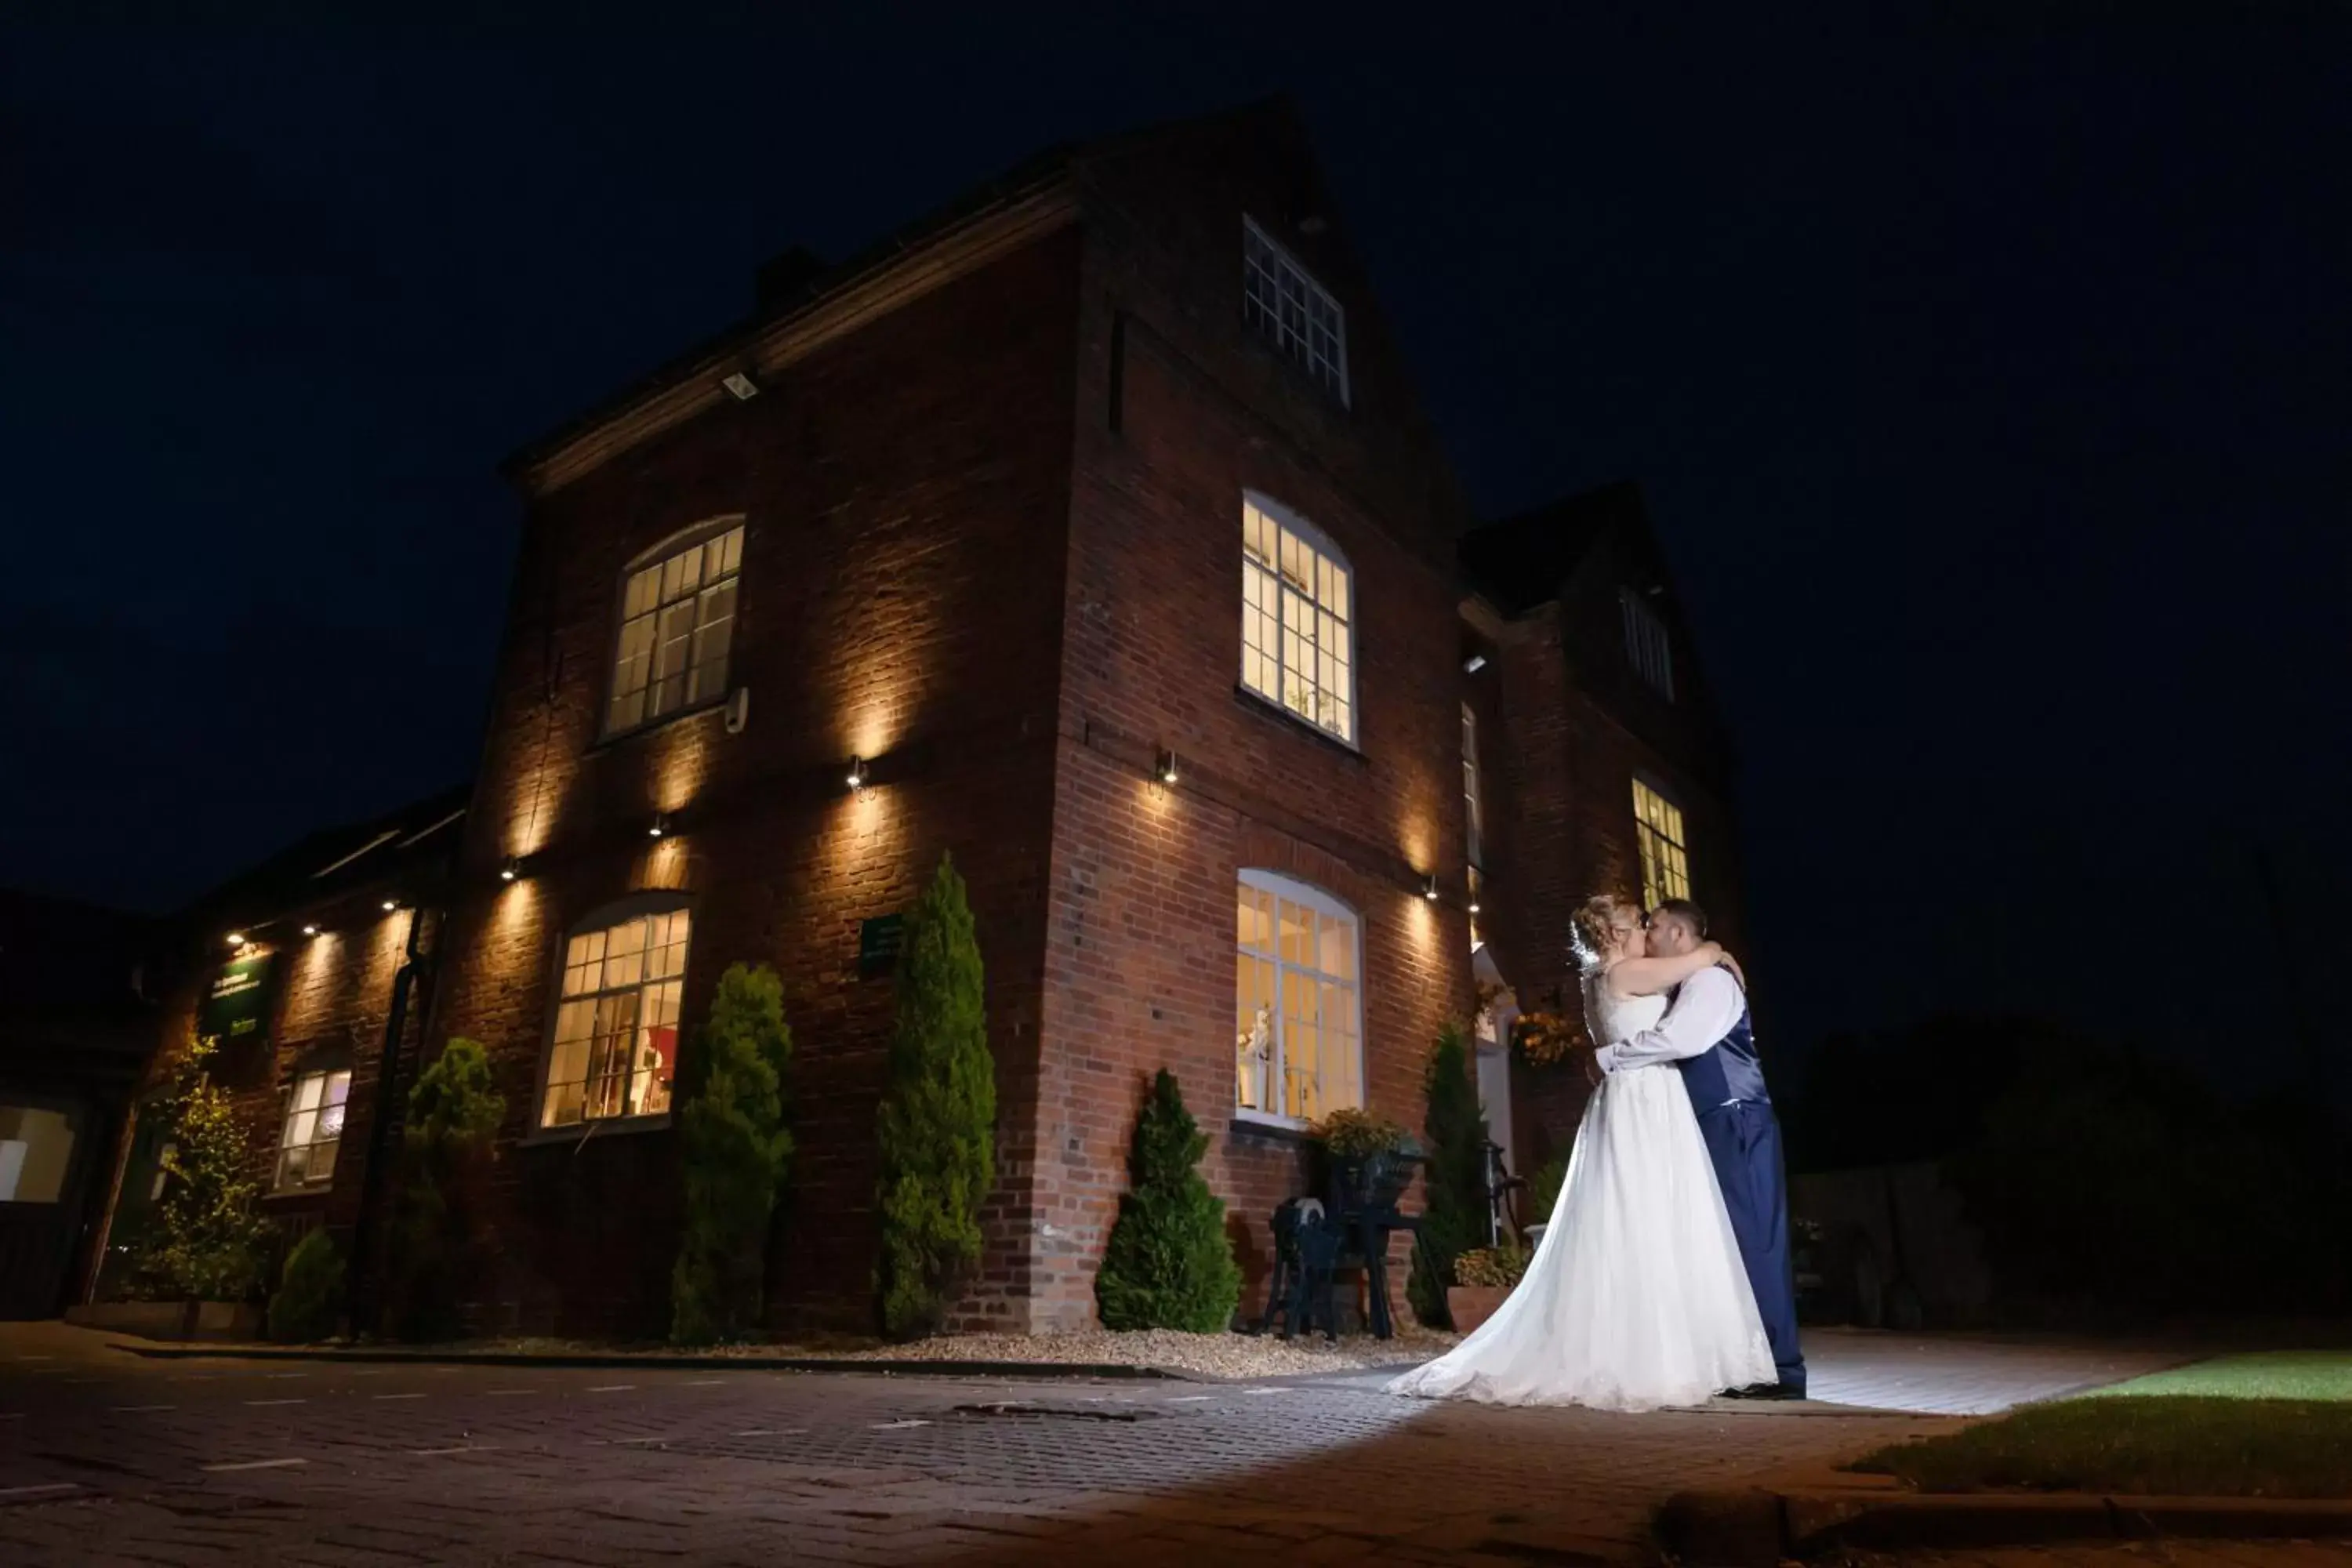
x: 1636, y: 1298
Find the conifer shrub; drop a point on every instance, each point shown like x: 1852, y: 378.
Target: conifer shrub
x: 310, y: 1291
x: 1169, y: 1265
x: 454, y: 1112
x: 1454, y: 1211
x: 936, y: 1127
x: 737, y: 1149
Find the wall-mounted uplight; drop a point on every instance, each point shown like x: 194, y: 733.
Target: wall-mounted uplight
x: 1473, y: 664
x: 309, y: 931
x: 237, y: 938
x: 389, y: 905
x: 742, y: 385
x: 659, y: 825
x: 1166, y: 765
x: 1473, y: 903
x: 1429, y: 889
x: 856, y: 774
x: 510, y: 870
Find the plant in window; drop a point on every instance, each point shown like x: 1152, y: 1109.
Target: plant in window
x: 207, y: 1244
x: 1169, y: 1265
x: 936, y: 1126
x: 736, y: 1149
x: 454, y: 1112
x: 310, y: 1292
x: 1454, y: 1217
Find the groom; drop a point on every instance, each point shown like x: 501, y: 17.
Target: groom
x: 1705, y: 1033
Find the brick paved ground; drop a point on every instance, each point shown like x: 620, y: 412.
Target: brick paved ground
x: 2165, y: 1555
x: 105, y: 1457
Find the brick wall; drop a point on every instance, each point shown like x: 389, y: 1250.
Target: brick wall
x: 1178, y: 412
x: 904, y: 492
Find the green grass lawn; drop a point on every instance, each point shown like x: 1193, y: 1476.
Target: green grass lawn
x: 2276, y: 1425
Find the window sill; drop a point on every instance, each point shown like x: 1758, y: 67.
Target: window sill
x: 589, y: 1131
x: 619, y: 738
x: 309, y: 1190
x: 1306, y: 727
x: 1272, y: 1127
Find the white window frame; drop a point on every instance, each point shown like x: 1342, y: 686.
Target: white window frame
x: 1267, y: 266
x: 1648, y: 648
x: 1657, y: 865
x: 1328, y: 566
x: 1274, y: 1073
x: 335, y: 1092
x: 712, y: 550
x: 1472, y: 806
x: 646, y: 908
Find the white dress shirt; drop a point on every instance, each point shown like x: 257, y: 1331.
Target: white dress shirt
x: 1708, y: 1004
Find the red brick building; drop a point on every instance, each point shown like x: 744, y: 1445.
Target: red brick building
x: 1090, y: 531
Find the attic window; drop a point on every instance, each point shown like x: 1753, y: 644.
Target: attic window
x: 1297, y: 315
x: 1646, y: 645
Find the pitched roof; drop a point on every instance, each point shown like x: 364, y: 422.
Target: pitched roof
x: 1521, y: 561
x: 796, y: 283
x: 413, y: 843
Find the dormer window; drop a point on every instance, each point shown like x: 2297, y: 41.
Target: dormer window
x: 1294, y: 313
x: 1646, y: 647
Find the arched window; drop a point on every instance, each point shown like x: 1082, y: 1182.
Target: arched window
x: 1299, y: 1002
x: 1298, y: 635
x: 612, y: 1052
x: 677, y: 626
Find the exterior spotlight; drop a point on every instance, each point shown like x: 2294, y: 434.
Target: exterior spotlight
x: 1473, y: 664
x: 237, y: 938
x: 857, y: 773
x: 1474, y: 906
x: 510, y: 870
x: 1429, y: 889
x: 389, y: 905
x: 309, y: 931
x: 659, y: 827
x: 742, y: 385
x: 1166, y: 766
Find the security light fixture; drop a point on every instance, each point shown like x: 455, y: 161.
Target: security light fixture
x: 1473, y: 664
x: 742, y: 385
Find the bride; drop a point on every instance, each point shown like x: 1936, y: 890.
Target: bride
x: 1636, y: 1298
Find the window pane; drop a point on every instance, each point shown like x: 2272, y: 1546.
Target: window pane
x: 306, y: 1089
x: 323, y: 1159
x: 339, y: 1088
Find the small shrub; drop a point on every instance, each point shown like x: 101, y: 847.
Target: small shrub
x: 207, y: 1244
x: 1169, y: 1265
x: 936, y: 1127
x: 1543, y: 1192
x: 1494, y: 1267
x: 454, y: 1112
x: 310, y: 1292
x: 1455, y: 1215
x: 736, y: 1149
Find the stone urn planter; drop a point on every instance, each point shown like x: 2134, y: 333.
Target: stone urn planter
x: 1471, y: 1305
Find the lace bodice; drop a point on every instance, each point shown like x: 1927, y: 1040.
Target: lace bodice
x: 1614, y: 1018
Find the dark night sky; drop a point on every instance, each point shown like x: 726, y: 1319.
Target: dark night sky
x: 1987, y: 379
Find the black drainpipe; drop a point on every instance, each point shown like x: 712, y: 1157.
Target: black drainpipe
x: 417, y: 966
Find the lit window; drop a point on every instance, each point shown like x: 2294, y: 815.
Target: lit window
x: 1297, y: 642
x: 36, y: 1152
x: 1298, y: 1009
x: 677, y: 623
x: 313, y: 1129
x: 1665, y: 861
x: 615, y: 1048
x: 1292, y: 311
x: 1472, y: 815
x: 1645, y: 642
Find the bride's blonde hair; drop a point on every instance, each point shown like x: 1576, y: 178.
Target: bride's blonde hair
x: 1595, y: 926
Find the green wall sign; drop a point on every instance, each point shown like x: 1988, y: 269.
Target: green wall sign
x: 877, y: 944
x: 236, y: 1008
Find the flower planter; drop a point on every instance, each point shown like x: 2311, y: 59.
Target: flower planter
x: 1471, y: 1305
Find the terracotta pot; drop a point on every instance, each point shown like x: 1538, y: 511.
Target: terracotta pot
x: 1471, y: 1305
